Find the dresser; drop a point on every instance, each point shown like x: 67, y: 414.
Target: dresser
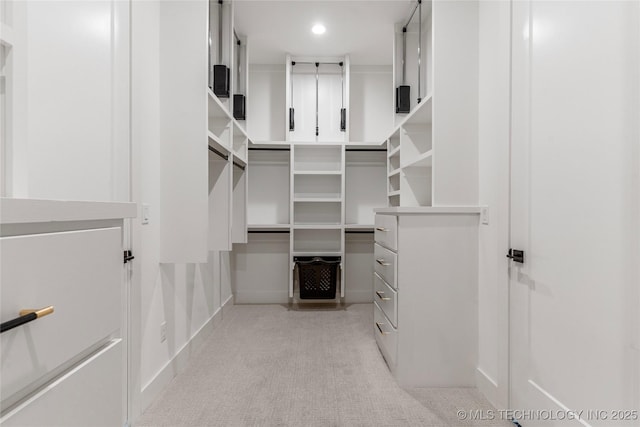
x: 425, y: 293
x: 68, y: 366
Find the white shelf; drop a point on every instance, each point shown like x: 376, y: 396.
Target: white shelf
x: 421, y: 113
x: 324, y: 198
x: 363, y: 227
x: 7, y: 36
x: 216, y: 107
x: 394, y: 193
x: 23, y: 211
x: 317, y: 226
x: 424, y: 160
x: 317, y: 172
x: 317, y: 253
x: 316, y: 144
x: 239, y: 160
x: 218, y: 144
x: 394, y: 172
x: 394, y: 151
x: 268, y: 227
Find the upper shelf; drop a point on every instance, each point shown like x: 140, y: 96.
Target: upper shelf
x: 422, y: 114
x: 23, y: 211
x: 216, y: 108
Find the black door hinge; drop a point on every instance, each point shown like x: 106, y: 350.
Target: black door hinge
x: 128, y: 256
x: 516, y: 255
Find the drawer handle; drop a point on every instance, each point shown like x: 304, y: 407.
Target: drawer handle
x: 26, y: 316
x: 380, y: 329
x: 382, y: 229
x: 379, y: 293
x: 381, y: 261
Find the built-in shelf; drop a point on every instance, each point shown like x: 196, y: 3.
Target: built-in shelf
x: 317, y: 172
x: 358, y: 227
x: 216, y: 107
x: 394, y: 151
x: 421, y: 113
x: 317, y: 226
x: 319, y: 198
x: 218, y: 144
x: 394, y: 193
x: 394, y: 172
x: 239, y: 161
x: 268, y: 227
x: 424, y: 160
x: 316, y: 253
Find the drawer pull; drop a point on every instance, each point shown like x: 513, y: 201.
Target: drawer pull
x: 382, y: 229
x: 26, y: 316
x: 381, y: 261
x: 380, y: 295
x: 380, y: 329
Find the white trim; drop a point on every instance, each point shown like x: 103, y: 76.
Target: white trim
x: 182, y: 358
x: 489, y: 387
x: 428, y: 210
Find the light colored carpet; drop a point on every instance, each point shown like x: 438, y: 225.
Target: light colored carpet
x: 269, y: 365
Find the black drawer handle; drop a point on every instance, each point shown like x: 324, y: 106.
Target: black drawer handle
x: 26, y: 316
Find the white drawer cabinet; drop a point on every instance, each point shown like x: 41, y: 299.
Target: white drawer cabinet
x: 425, y: 317
x: 66, y: 368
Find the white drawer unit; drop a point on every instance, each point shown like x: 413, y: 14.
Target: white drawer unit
x: 387, y: 298
x: 386, y: 231
x: 65, y: 366
x: 425, y: 293
x: 385, y: 264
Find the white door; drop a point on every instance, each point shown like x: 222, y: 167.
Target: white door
x: 575, y: 212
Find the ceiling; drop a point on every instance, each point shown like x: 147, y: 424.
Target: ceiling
x: 362, y: 29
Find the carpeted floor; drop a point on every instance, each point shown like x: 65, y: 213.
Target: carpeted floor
x: 269, y: 365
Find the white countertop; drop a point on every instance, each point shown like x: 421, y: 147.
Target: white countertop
x: 424, y: 210
x: 26, y: 211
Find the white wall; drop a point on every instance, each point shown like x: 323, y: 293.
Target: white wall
x: 187, y: 297
x: 494, y: 29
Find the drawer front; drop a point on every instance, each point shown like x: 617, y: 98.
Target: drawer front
x: 387, y: 299
x: 88, y: 395
x: 385, y: 264
x: 386, y: 231
x: 386, y: 335
x: 80, y: 274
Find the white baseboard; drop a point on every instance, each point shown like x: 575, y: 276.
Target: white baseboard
x: 182, y: 358
x: 488, y: 387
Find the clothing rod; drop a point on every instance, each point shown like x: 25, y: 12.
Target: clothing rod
x: 320, y: 63
x: 268, y: 149
x: 412, y: 13
x: 366, y: 149
x: 269, y: 231
x: 236, y: 36
x: 224, y: 156
x: 220, y: 32
x: 359, y: 232
x: 238, y: 165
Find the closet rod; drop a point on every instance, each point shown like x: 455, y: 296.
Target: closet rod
x: 239, y: 166
x: 224, y: 156
x: 269, y: 231
x: 320, y: 63
x: 366, y: 149
x: 268, y: 149
x: 359, y: 231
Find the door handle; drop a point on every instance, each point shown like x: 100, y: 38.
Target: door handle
x: 382, y: 229
x: 381, y: 261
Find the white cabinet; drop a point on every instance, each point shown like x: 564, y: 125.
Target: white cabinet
x: 68, y: 255
x: 425, y: 293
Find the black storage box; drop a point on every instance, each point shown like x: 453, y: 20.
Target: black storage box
x: 403, y: 99
x: 221, y: 81
x: 317, y: 276
x: 238, y: 107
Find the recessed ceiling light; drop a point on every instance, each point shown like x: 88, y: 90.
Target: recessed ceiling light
x: 318, y: 29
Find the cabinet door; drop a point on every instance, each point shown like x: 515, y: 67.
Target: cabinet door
x: 67, y: 109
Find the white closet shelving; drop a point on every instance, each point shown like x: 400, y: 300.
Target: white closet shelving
x: 432, y: 152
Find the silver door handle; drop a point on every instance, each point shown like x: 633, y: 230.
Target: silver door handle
x: 381, y: 261
x: 380, y: 295
x: 382, y: 229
